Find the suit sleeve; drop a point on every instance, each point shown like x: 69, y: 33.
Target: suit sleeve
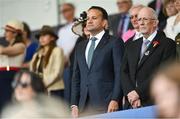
x: 126, y: 82
x: 75, y: 87
x: 170, y: 51
x: 118, y: 51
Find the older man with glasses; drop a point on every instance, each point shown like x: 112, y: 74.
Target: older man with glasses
x: 142, y: 57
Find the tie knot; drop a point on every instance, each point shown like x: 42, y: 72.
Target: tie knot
x: 93, y: 38
x: 146, y: 42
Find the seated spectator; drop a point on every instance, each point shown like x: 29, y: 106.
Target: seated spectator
x: 11, y: 58
x: 27, y: 85
x: 31, y: 46
x: 48, y: 62
x: 165, y: 90
x: 173, y: 23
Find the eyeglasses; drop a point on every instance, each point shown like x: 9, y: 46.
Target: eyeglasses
x: 145, y: 19
x: 15, y: 84
x: 133, y: 16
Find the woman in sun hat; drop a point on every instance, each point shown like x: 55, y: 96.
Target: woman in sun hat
x: 11, y: 58
x: 48, y: 62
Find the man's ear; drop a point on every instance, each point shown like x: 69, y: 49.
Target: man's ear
x: 156, y: 22
x: 105, y: 24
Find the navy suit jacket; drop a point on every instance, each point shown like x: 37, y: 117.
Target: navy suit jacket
x: 137, y: 75
x: 101, y: 82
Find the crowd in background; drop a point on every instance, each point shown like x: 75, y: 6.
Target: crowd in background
x: 97, y: 63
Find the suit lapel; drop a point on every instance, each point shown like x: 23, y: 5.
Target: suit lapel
x: 135, y: 50
x: 103, y: 41
x: 150, y: 49
x: 83, y: 54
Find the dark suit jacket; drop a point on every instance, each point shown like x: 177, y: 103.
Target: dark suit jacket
x: 161, y: 17
x: 102, y: 81
x: 114, y: 23
x: 133, y: 73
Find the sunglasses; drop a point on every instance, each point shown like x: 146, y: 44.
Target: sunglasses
x: 21, y: 84
x: 133, y: 16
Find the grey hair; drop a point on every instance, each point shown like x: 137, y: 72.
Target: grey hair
x: 136, y: 6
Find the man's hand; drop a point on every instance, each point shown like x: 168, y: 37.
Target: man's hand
x: 113, y: 106
x: 75, y: 112
x: 136, y: 103
x: 132, y: 96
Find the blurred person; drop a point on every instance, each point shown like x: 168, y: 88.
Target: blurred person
x: 41, y: 107
x: 96, y: 78
x: 142, y: 57
x: 169, y: 8
x: 31, y: 46
x: 173, y: 23
x: 120, y: 22
x: 165, y: 90
x: 27, y: 85
x: 177, y: 40
x: 48, y: 62
x: 67, y: 40
x: 133, y: 34
x: 11, y: 58
x: 157, y: 5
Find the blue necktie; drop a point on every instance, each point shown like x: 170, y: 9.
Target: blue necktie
x: 91, y: 51
x: 144, y: 47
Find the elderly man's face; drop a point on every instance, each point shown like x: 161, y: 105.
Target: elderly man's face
x: 124, y: 5
x: 147, y: 23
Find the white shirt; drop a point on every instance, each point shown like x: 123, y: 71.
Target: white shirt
x: 99, y: 37
x: 137, y: 35
x: 15, y: 61
x: 151, y: 37
x: 67, y: 39
x: 172, y: 30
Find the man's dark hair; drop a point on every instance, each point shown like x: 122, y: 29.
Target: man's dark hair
x: 102, y: 10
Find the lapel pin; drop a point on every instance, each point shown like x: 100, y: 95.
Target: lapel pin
x: 146, y: 53
x: 155, y: 43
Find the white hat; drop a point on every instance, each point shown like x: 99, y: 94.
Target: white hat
x: 15, y: 26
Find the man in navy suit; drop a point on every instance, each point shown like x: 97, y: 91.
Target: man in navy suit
x: 96, y: 76
x: 142, y: 57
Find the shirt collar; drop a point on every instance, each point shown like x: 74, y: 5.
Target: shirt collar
x: 99, y: 35
x: 151, y: 37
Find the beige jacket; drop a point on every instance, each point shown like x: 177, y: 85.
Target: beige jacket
x: 53, y: 73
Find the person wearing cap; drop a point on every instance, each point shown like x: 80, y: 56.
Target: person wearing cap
x: 48, y: 62
x: 11, y: 58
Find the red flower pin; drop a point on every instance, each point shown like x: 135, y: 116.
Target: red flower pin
x: 155, y: 43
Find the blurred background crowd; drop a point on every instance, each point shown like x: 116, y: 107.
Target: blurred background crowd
x: 37, y: 66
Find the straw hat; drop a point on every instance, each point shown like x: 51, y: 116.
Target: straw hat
x: 14, y: 26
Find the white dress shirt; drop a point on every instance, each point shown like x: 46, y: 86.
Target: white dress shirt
x: 137, y: 35
x: 67, y: 39
x: 151, y: 37
x: 99, y: 37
